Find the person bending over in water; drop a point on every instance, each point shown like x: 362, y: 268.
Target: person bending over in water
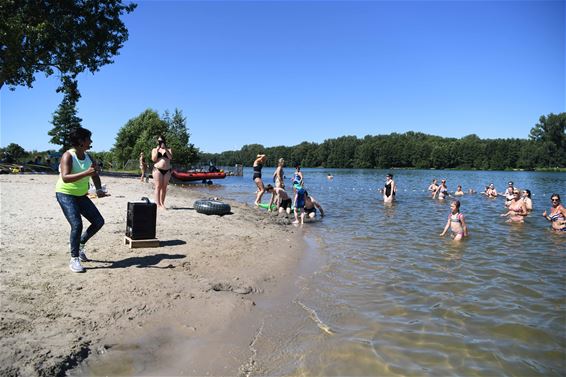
x: 299, y: 204
x: 311, y: 205
x: 557, y: 214
x: 456, y: 222
x: 278, y: 175
x: 390, y: 189
x: 281, y: 199
x: 517, y: 208
x: 257, y: 166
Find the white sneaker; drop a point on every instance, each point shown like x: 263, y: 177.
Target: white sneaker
x: 75, y: 265
x: 82, y: 254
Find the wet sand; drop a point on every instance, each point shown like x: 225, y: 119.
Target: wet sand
x: 195, y: 292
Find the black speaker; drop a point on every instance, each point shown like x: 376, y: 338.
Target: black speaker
x: 140, y: 222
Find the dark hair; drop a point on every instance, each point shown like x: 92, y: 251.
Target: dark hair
x: 528, y: 193
x: 389, y: 175
x: 76, y: 135
x: 162, y: 138
x: 297, y: 164
x: 555, y: 195
x: 269, y: 187
x: 457, y: 203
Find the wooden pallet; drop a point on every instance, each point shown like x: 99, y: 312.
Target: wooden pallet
x: 152, y: 242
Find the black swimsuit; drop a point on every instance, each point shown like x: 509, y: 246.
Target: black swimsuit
x: 163, y: 155
x: 257, y: 171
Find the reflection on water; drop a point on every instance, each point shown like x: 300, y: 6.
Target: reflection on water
x: 394, y: 298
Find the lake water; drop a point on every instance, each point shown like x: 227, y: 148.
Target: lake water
x: 391, y: 297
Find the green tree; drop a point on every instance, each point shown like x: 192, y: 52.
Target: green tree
x: 178, y: 138
x: 68, y: 36
x: 13, y: 152
x: 550, y: 133
x: 65, y: 117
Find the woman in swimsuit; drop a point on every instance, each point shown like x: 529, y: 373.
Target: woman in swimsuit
x: 557, y: 214
x: 527, y: 199
x: 490, y: 191
x: 257, y: 166
x: 297, y: 175
x: 278, y: 175
x: 390, y: 189
x: 456, y: 222
x: 441, y: 190
x: 161, y: 157
x: 433, y: 186
x: 517, y: 208
x: 143, y: 166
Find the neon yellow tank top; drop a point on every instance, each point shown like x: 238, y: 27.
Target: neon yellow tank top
x: 80, y: 187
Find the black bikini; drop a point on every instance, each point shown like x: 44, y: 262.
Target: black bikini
x: 257, y: 171
x: 163, y: 155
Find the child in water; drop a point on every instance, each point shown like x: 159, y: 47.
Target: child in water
x: 456, y: 222
x: 299, y: 203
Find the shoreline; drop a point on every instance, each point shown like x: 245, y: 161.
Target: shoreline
x: 202, y: 281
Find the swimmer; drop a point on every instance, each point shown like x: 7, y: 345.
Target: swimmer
x: 441, y: 190
x: 456, y: 222
x: 527, y: 199
x: 329, y: 177
x: 557, y: 215
x: 459, y: 191
x: 433, y: 186
x: 517, y: 208
x: 490, y: 191
x: 389, y: 189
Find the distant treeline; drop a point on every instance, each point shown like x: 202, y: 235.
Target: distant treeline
x: 545, y: 148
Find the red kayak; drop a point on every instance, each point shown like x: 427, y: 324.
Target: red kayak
x: 188, y: 176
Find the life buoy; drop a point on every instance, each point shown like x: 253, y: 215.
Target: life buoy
x: 212, y: 207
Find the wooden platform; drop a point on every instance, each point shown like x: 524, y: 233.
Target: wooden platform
x: 152, y: 242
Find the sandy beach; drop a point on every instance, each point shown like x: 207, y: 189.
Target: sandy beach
x: 198, y: 284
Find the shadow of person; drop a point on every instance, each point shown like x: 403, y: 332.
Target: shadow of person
x: 148, y: 261
x: 172, y: 243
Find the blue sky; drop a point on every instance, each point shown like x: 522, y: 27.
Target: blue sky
x: 279, y: 73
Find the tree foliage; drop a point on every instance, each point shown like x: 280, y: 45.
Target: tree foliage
x: 68, y: 36
x: 65, y: 117
x: 140, y: 134
x: 545, y: 148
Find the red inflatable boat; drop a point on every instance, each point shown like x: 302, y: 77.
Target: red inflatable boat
x: 197, y: 176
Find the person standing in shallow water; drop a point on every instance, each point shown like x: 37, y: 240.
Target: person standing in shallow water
x: 389, y: 189
x: 76, y: 169
x: 279, y: 175
x: 257, y: 166
x: 161, y: 157
x: 456, y: 222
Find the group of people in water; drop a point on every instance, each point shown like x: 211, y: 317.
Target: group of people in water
x: 518, y: 203
x: 303, y: 204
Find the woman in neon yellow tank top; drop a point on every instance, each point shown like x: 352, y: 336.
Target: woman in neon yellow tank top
x: 76, y: 169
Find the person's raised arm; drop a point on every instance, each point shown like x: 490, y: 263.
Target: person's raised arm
x: 154, y: 154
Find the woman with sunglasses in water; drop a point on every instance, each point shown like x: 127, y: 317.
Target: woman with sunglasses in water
x: 557, y: 215
x: 517, y: 208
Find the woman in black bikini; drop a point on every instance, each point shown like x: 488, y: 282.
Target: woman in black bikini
x: 258, y: 165
x: 161, y: 157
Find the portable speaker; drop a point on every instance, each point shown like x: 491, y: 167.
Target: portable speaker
x: 140, y: 221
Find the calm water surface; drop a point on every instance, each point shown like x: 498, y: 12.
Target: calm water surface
x: 394, y: 298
